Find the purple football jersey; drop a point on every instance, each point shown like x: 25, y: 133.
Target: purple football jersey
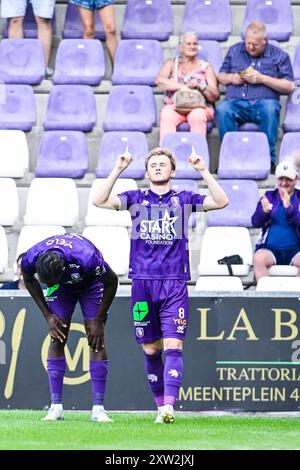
x: 83, y: 260
x: 159, y: 239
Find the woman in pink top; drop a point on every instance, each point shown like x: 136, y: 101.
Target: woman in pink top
x: 192, y: 73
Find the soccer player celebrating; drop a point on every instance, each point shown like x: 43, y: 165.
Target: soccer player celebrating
x: 159, y: 264
x: 74, y: 270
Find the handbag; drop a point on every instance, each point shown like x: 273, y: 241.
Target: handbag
x: 186, y: 98
x: 229, y: 260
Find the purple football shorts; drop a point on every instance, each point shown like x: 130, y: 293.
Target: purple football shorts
x: 160, y: 309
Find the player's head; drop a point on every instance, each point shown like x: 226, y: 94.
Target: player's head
x: 50, y: 268
x: 160, y: 165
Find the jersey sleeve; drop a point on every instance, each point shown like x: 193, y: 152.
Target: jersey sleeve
x: 96, y: 265
x: 28, y: 266
x: 195, y: 200
x: 128, y: 198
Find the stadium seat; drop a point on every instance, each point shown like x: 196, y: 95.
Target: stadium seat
x: 29, y: 24
x: 114, y: 244
x: 283, y: 270
x: 243, y: 196
x: 219, y: 284
x: 32, y: 234
x: 3, y: 250
x: 114, y: 144
x: 52, y: 201
x: 71, y: 107
x: 289, y: 145
x: 292, y: 118
x: 211, y: 52
x: 79, y: 62
x: 185, y: 127
x: 219, y: 242
x: 98, y: 216
x: 184, y: 185
x: 181, y: 144
x: 244, y: 155
x: 249, y: 127
x: 210, y: 19
x: 72, y: 28
x: 17, y: 107
x: 130, y: 108
x: 277, y: 15
x: 137, y: 62
x: 296, y: 62
x: 9, y: 207
x: 62, y: 154
x: 277, y: 284
x: 14, y: 155
x: 148, y: 19
x: 22, y: 61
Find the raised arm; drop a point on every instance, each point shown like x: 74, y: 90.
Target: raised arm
x: 217, y: 198
x: 102, y: 197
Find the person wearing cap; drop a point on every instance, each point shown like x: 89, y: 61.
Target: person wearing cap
x: 277, y: 214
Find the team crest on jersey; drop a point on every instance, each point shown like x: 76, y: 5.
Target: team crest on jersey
x: 139, y: 332
x: 175, y: 201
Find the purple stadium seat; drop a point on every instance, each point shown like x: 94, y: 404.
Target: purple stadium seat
x: 289, y: 145
x: 62, y: 154
x: 243, y: 196
x: 249, y: 127
x: 181, y: 144
x: 130, y: 108
x: 276, y: 14
x: 210, y: 19
x: 114, y: 144
x: 292, y: 117
x: 185, y: 127
x: 296, y: 64
x: 30, y: 27
x: 211, y: 52
x: 22, y: 61
x: 184, y: 185
x: 244, y: 155
x: 79, y: 61
x: 73, y: 28
x: 71, y: 107
x: 148, y: 19
x: 137, y: 62
x: 17, y: 107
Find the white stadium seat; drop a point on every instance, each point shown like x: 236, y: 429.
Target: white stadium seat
x: 97, y: 216
x: 218, y: 242
x: 32, y: 234
x: 13, y: 153
x: 52, y: 201
x: 283, y: 270
x: 9, y: 202
x: 219, y: 283
x: 3, y: 250
x: 277, y: 284
x: 114, y: 244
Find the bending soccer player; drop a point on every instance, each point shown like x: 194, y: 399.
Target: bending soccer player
x: 159, y: 264
x: 74, y: 270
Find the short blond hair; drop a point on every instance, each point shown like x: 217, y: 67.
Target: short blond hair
x: 161, y: 151
x: 257, y: 28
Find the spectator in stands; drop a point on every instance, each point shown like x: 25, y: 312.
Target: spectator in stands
x: 193, y: 73
x: 43, y: 11
x: 277, y: 213
x: 107, y: 16
x: 255, y: 73
x: 19, y: 282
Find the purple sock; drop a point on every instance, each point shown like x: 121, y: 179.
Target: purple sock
x: 172, y: 375
x: 155, y: 373
x: 56, y: 367
x: 98, y: 371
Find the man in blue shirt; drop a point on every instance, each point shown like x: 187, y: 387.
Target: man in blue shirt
x: 277, y: 214
x: 255, y: 73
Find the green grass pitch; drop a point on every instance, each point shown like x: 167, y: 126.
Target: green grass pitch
x: 136, y: 431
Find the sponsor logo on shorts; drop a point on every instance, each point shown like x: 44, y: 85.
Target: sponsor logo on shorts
x: 180, y: 329
x: 140, y: 310
x: 152, y: 378
x: 139, y: 332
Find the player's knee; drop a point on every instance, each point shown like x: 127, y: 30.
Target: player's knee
x: 173, y: 343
